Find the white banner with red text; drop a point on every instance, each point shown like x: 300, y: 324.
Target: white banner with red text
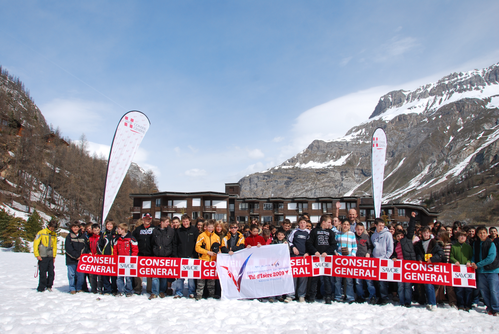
x: 255, y: 272
x: 340, y: 266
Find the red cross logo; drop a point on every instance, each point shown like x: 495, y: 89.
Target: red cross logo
x: 375, y: 142
x: 129, y: 122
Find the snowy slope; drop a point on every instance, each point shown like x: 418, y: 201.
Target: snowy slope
x: 23, y: 310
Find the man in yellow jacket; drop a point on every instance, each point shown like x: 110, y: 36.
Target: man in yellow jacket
x: 207, y: 246
x: 45, y: 249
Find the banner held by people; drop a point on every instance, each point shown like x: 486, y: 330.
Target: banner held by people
x: 130, y: 131
x: 378, y: 155
x: 255, y: 272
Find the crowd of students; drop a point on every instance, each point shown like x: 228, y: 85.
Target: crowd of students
x: 179, y: 237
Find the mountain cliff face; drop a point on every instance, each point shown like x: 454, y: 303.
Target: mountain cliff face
x: 439, y: 135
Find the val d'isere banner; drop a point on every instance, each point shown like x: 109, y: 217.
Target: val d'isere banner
x: 378, y: 155
x: 255, y: 272
x: 127, y: 138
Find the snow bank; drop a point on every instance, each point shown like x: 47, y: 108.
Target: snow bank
x: 23, y: 310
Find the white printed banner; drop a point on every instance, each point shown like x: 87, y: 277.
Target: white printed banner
x: 255, y: 272
x: 390, y: 270
x: 322, y: 265
x: 129, y: 134
x: 378, y: 155
x: 190, y: 268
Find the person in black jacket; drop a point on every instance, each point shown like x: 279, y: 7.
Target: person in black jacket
x: 428, y: 250
x: 162, y: 246
x: 184, y: 245
x: 75, y: 246
x: 143, y: 235
x: 321, y: 242
x: 106, y: 248
x: 364, y: 249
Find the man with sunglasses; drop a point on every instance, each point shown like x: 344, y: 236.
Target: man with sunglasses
x: 233, y: 241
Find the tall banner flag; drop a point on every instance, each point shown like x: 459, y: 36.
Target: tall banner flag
x: 378, y: 155
x: 256, y: 272
x: 129, y: 134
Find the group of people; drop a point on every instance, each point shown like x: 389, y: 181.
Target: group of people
x: 204, y: 239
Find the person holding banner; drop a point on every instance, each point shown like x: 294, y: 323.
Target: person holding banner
x: 233, y: 241
x: 364, y: 249
x: 75, y: 246
x: 143, y: 235
x: 125, y: 245
x: 428, y: 250
x: 321, y: 242
x: 184, y: 246
x: 347, y: 246
x: 298, y: 245
x: 207, y: 246
x: 382, y: 241
x: 462, y: 253
x: 162, y: 246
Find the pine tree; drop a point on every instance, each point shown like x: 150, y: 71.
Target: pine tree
x: 33, y: 225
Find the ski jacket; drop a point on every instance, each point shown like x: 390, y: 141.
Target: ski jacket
x: 184, y: 243
x: 434, y: 251
x: 93, y: 244
x: 106, y: 242
x: 322, y: 241
x: 45, y: 243
x: 462, y: 253
x: 162, y: 241
x: 364, y: 245
x: 233, y: 244
x: 408, y: 252
x: 298, y: 238
x: 126, y: 245
x: 485, y: 256
x: 204, y: 243
x: 254, y: 240
x: 143, y: 236
x: 347, y: 240
x: 75, y: 246
x: 382, y: 243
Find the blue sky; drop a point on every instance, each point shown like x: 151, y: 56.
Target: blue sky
x: 232, y: 87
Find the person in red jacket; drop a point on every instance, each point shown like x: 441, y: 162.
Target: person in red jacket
x: 93, y: 245
x: 126, y: 245
x: 254, y: 239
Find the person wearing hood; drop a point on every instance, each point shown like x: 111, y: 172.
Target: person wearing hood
x: 382, y: 241
x: 184, y: 245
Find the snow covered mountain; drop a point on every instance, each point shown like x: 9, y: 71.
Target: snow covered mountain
x: 439, y: 136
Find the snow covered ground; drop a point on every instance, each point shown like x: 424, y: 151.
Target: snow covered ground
x: 23, y: 310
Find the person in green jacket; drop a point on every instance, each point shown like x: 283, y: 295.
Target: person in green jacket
x: 461, y: 253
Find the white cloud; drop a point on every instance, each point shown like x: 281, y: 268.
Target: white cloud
x: 193, y: 149
x: 395, y: 47
x: 195, y: 172
x: 278, y: 139
x: 345, y: 61
x: 256, y: 154
x: 81, y: 116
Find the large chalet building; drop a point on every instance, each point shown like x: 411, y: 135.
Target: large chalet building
x: 230, y: 206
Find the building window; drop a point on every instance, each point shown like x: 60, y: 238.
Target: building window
x: 292, y: 206
x: 266, y: 219
x: 342, y: 206
x: 362, y: 212
x: 195, y: 214
x: 315, y: 219
x: 157, y: 214
x: 243, y: 206
x: 221, y: 216
x: 351, y: 205
x: 267, y: 206
x: 279, y: 218
x: 196, y: 202
x: 292, y: 219
x: 158, y: 202
x: 231, y: 207
x: 401, y: 212
x: 242, y: 219
x: 146, y: 204
x: 316, y: 206
x: 207, y: 203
